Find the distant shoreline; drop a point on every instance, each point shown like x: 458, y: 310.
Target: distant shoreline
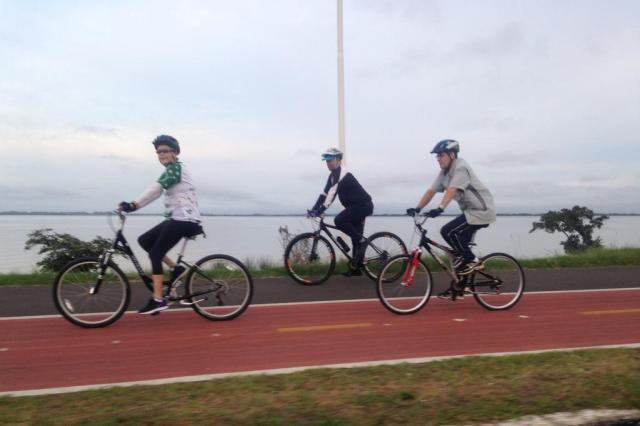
x: 23, y: 213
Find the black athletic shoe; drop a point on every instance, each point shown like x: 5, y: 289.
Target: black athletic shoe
x: 352, y: 272
x: 152, y: 307
x: 176, y: 272
x: 447, y: 294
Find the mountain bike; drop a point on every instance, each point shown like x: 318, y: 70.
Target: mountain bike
x: 405, y: 282
x: 93, y: 292
x: 310, y: 258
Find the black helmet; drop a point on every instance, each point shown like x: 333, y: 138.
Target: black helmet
x: 167, y: 140
x: 447, y: 145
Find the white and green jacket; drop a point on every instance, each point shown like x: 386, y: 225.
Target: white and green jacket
x: 180, y: 199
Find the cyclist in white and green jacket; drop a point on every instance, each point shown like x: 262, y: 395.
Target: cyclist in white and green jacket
x: 181, y: 213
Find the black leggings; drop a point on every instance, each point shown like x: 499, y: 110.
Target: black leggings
x: 458, y: 234
x: 158, y: 240
x: 351, y: 220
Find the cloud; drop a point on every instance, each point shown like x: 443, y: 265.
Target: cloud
x: 546, y: 108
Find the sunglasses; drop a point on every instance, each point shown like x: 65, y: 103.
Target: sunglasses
x: 164, y: 151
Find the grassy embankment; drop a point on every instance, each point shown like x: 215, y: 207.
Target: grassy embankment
x: 459, y: 391
x: 629, y: 256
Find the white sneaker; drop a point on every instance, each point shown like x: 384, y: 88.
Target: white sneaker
x: 474, y: 265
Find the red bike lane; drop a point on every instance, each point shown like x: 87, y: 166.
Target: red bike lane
x: 49, y: 352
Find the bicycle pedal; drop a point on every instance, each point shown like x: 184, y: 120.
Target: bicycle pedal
x: 187, y: 303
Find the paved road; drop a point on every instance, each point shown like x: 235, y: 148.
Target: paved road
x: 37, y: 300
x: 51, y: 353
x: 48, y: 352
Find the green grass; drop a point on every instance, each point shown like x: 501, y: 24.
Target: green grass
x: 459, y: 391
x: 628, y: 256
x: 264, y: 268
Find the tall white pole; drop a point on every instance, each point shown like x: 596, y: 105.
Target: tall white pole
x: 341, y: 84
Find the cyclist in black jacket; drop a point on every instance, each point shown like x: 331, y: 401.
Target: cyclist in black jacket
x: 354, y: 198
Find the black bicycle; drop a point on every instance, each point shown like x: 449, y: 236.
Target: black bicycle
x: 310, y: 258
x: 405, y: 282
x: 94, y: 292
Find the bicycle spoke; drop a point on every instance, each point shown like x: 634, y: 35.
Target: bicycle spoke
x: 309, y: 259
x: 221, y: 288
x: 500, y: 284
x: 403, y: 290
x: 77, y: 300
x: 382, y: 247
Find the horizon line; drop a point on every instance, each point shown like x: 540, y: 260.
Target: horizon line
x: 103, y: 213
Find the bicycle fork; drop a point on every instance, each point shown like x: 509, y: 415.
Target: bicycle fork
x: 104, y: 261
x: 410, y: 274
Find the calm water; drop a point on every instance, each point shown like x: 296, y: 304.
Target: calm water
x: 257, y: 238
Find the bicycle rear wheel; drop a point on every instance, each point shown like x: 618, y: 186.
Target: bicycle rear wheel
x: 220, y: 287
x: 400, y: 296
x: 86, y: 300
x: 500, y: 284
x: 309, y: 259
x: 382, y: 247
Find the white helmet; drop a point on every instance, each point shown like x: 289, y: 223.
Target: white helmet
x: 332, y: 153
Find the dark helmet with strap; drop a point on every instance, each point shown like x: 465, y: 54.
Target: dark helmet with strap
x: 167, y: 140
x: 446, y: 145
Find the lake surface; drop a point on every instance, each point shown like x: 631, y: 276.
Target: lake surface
x: 257, y: 238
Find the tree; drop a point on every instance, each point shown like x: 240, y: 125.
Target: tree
x: 577, y: 224
x: 59, y: 249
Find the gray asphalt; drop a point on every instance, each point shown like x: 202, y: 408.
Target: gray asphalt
x: 37, y: 300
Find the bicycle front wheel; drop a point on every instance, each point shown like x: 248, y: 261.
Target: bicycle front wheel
x: 500, y: 284
x: 88, y: 296
x: 402, y: 294
x: 220, y: 287
x: 382, y: 247
x: 309, y: 259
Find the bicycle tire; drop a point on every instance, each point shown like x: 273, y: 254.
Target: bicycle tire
x: 74, y: 300
x: 500, y: 285
x: 221, y: 285
x: 307, y: 267
x: 400, y: 298
x: 390, y: 244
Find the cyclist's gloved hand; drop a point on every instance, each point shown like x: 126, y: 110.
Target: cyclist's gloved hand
x: 413, y: 211
x: 434, y: 212
x: 127, y: 207
x: 316, y: 212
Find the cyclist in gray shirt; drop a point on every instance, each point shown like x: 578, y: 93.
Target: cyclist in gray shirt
x: 458, y: 181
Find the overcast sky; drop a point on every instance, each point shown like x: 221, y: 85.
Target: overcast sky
x: 544, y: 97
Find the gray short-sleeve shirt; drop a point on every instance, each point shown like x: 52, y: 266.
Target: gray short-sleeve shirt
x: 474, y: 199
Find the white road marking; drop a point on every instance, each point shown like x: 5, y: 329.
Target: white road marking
x: 329, y: 302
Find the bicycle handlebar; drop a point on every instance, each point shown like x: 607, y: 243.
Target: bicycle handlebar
x: 121, y: 215
x: 310, y: 216
x: 420, y: 218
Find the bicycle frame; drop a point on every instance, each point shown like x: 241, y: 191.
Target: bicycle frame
x: 120, y: 245
x: 324, y: 227
x: 427, y: 243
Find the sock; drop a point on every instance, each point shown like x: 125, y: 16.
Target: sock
x: 158, y: 300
